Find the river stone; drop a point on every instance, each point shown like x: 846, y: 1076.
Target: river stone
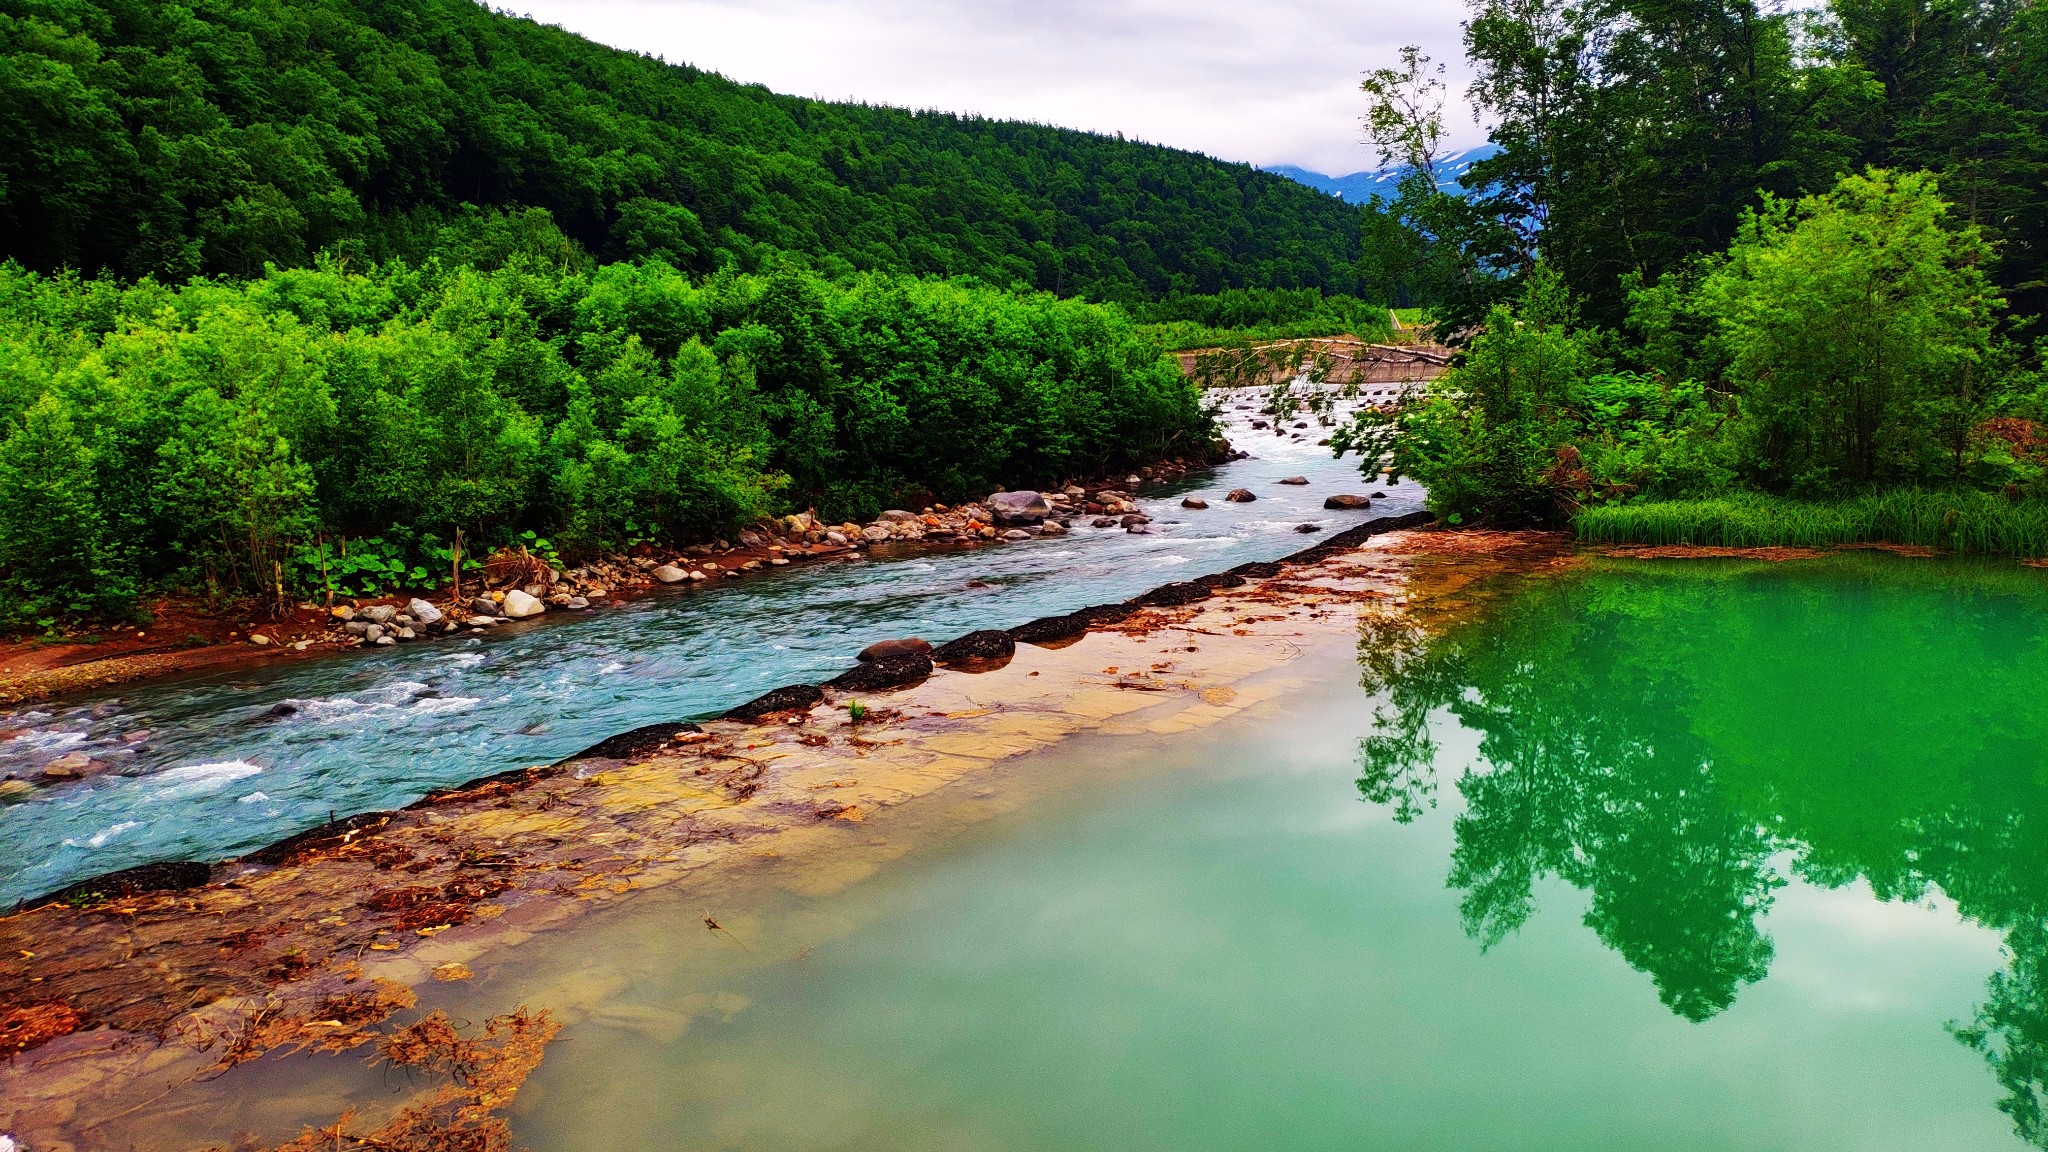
x: 169, y: 876
x: 836, y: 539
x: 879, y: 675
x: 379, y: 613
x: 385, y: 641
x: 1379, y: 495
x: 1239, y: 496
x: 976, y: 647
x: 1052, y: 528
x: 1015, y: 534
x: 788, y: 698
x: 897, y: 516
x: 1134, y: 519
x: 577, y: 603
x: 373, y: 633
x: 906, y: 646
x: 1021, y: 507
x: 342, y: 612
x: 1295, y: 480
x: 1050, y: 630
x: 670, y: 574
x: 875, y: 533
x: 423, y: 612
x: 73, y: 766
x: 1308, y: 527
x: 1172, y: 595
x: 1194, y: 502
x: 1348, y: 501
x: 484, y: 606
x: 520, y: 604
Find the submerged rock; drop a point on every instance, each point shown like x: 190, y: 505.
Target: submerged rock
x: 1348, y: 501
x: 1295, y: 480
x: 1308, y: 527
x: 171, y: 876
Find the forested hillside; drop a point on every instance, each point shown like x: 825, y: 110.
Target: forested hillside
x: 144, y: 138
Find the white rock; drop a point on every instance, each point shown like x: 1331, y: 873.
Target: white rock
x: 518, y: 605
x: 423, y: 612
x: 670, y: 574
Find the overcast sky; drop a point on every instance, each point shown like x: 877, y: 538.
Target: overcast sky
x: 1270, y: 82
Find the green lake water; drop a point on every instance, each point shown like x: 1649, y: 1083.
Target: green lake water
x: 1700, y: 855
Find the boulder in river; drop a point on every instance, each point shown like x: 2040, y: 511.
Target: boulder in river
x: 1295, y: 480
x: 905, y: 646
x: 423, y: 612
x: 1346, y: 500
x: 1020, y: 507
x: 1308, y: 527
x: 1239, y: 496
x: 898, y: 671
x: 1015, y: 534
x: 976, y: 648
x: 669, y: 574
x: 519, y: 605
x: 1052, y: 528
x: 73, y: 766
x: 1194, y: 502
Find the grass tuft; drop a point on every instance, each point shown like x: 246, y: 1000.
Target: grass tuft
x: 1968, y: 523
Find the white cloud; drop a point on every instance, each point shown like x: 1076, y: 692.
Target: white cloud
x: 1269, y: 83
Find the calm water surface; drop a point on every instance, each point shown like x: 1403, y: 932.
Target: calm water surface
x: 1701, y: 856
x: 218, y: 773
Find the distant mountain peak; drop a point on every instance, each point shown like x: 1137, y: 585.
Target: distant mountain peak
x: 1359, y: 187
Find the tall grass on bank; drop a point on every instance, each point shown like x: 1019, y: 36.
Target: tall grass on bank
x: 1970, y: 523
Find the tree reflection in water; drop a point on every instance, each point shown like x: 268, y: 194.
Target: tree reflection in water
x: 1674, y: 738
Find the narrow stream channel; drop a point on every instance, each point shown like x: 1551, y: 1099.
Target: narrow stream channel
x: 207, y: 769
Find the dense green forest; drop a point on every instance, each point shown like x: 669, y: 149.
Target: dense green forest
x: 1732, y: 253
x: 215, y: 137
x: 212, y: 435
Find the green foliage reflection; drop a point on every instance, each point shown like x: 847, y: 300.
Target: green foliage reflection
x: 1678, y: 741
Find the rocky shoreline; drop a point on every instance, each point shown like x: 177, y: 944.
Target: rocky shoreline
x: 159, y: 967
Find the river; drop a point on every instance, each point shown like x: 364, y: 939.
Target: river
x: 208, y: 769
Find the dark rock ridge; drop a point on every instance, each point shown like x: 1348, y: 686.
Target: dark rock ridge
x: 1050, y: 630
x: 900, y: 670
x: 1172, y: 595
x: 788, y: 698
x: 624, y: 746
x: 1220, y: 580
x: 332, y: 834
x: 1107, y: 613
x: 975, y: 647
x: 172, y: 876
